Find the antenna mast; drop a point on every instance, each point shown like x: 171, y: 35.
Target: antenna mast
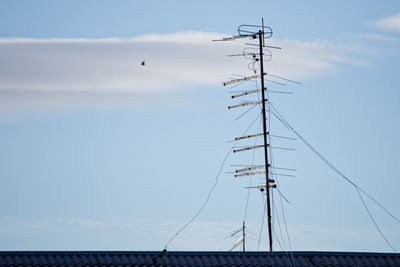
x: 257, y: 55
x: 265, y: 133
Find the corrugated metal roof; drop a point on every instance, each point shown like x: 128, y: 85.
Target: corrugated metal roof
x: 198, y: 258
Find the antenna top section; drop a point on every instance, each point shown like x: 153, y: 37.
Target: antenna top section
x: 248, y: 30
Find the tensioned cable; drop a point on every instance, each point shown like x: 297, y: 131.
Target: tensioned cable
x: 262, y: 223
x: 244, y: 113
x: 273, y: 165
x: 277, y: 214
x: 334, y: 168
x: 280, y: 200
x: 280, y: 195
x: 276, y: 237
x: 359, y: 189
x: 275, y: 178
x: 273, y: 228
x: 211, y: 190
x: 283, y: 215
x: 286, y: 228
x: 373, y: 220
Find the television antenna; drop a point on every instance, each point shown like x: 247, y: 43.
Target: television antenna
x: 258, y: 53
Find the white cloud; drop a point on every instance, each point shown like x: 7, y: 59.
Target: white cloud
x: 49, y: 73
x: 391, y: 23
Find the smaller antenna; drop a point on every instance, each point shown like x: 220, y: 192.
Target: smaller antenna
x: 237, y: 243
x: 241, y: 239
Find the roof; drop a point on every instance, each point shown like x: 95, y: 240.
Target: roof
x: 199, y: 258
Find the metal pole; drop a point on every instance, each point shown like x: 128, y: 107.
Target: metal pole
x: 261, y: 37
x: 244, y: 237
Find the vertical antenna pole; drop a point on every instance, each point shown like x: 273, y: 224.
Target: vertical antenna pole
x: 244, y: 237
x: 267, y: 188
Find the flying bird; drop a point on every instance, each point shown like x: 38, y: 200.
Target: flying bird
x: 143, y: 63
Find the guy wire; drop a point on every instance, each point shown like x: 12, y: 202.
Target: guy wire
x: 211, y: 190
x: 330, y: 165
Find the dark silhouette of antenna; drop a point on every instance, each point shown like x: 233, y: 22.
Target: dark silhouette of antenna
x: 257, y: 55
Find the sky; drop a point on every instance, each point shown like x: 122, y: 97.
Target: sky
x: 98, y: 152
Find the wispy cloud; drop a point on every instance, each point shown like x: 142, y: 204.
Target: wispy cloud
x: 49, y: 73
x: 391, y: 23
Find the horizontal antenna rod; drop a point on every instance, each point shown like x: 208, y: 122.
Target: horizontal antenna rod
x: 286, y: 169
x: 283, y: 137
x: 262, y: 187
x: 283, y: 78
x: 282, y: 174
x: 281, y: 92
x: 260, y: 134
x: 268, y: 46
x: 283, y: 148
x: 247, y: 93
x: 243, y: 54
x: 245, y: 104
x: 241, y: 79
x: 229, y: 38
x: 247, y: 148
x: 234, y: 37
x: 251, y: 168
x: 249, y: 173
x: 237, y: 231
x: 249, y: 136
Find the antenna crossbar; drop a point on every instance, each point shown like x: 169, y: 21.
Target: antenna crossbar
x: 248, y: 136
x: 241, y: 79
x: 249, y: 173
x: 247, y: 93
x: 234, y: 37
x: 247, y: 148
x: 251, y: 168
x: 283, y: 174
x: 245, y: 104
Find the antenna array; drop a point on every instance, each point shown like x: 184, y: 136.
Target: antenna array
x: 257, y: 53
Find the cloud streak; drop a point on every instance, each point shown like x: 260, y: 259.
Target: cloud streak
x: 391, y: 23
x: 49, y: 73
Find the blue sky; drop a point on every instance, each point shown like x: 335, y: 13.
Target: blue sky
x: 100, y: 153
